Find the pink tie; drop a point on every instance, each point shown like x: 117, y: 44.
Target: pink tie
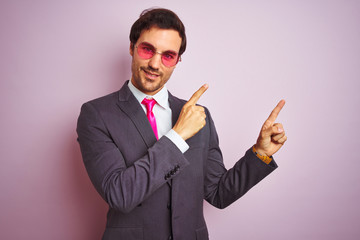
x: 149, y: 103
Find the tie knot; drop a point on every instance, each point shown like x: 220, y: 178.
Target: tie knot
x: 149, y: 103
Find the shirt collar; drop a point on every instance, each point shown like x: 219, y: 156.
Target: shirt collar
x: 161, y: 97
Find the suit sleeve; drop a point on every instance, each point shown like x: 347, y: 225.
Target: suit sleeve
x: 124, y: 187
x: 223, y: 187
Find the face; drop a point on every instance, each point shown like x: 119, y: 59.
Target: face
x: 150, y: 75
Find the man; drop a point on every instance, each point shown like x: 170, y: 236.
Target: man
x: 154, y: 157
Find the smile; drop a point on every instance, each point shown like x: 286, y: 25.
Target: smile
x: 151, y: 75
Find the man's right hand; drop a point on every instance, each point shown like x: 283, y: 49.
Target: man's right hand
x: 192, y: 117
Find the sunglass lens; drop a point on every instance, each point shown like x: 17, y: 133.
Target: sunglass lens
x: 146, y: 51
x: 169, y: 58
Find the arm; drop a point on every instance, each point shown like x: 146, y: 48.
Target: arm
x: 123, y: 187
x: 222, y: 187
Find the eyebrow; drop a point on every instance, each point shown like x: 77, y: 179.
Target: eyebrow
x: 166, y: 51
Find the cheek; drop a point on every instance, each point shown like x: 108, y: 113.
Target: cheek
x: 133, y: 66
x: 138, y: 62
x: 166, y: 75
x: 168, y: 72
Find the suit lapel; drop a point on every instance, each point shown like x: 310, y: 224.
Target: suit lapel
x: 131, y: 107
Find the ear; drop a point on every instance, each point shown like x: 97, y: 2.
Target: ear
x: 131, y: 49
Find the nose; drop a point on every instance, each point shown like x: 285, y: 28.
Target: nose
x: 155, y: 61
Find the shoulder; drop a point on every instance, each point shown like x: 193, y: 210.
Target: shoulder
x: 99, y: 106
x: 112, y: 97
x: 104, y: 102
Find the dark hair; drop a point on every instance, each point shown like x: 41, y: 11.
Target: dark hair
x: 161, y: 18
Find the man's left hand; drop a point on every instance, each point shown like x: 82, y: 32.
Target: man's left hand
x: 272, y: 135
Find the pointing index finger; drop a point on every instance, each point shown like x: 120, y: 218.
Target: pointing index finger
x: 276, y: 111
x: 196, y: 96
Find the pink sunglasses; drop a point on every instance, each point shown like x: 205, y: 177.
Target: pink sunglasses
x: 168, y: 58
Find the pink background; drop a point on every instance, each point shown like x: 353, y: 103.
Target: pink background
x: 55, y: 55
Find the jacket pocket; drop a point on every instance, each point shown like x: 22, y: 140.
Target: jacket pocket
x: 128, y: 233
x: 202, y: 234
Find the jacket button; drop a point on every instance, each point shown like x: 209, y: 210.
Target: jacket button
x: 168, y: 206
x: 167, y: 176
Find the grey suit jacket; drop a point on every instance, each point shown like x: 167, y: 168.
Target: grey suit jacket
x: 153, y: 190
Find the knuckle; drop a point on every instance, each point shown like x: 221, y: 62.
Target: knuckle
x: 186, y: 105
x: 191, y: 108
x: 281, y: 135
x: 267, y: 123
x: 282, y: 140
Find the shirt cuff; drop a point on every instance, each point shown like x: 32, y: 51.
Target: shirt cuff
x: 177, y: 140
x: 265, y: 159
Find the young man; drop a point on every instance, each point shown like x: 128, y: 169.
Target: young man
x: 154, y: 157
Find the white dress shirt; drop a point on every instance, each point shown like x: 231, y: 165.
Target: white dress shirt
x: 163, y: 115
